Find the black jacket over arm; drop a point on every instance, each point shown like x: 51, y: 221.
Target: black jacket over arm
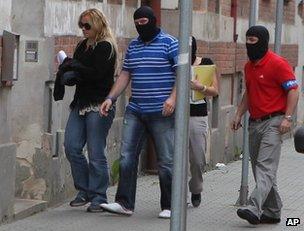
x: 96, y: 69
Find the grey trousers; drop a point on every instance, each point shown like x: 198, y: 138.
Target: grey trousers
x: 265, y: 150
x: 198, y: 126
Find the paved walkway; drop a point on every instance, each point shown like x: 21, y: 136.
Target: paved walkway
x: 217, y: 211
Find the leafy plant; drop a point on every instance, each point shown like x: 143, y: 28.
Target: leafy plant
x: 115, y: 171
x: 237, y: 152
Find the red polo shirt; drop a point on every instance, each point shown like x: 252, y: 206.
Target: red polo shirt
x: 268, y: 83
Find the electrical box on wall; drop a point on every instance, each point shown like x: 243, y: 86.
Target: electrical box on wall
x: 10, y: 56
x: 31, y: 51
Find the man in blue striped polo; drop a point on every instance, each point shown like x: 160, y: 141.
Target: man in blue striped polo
x: 149, y: 64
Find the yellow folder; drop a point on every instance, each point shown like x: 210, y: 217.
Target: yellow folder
x: 204, y: 74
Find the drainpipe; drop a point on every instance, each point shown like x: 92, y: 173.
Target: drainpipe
x: 278, y: 26
x: 234, y: 16
x: 243, y: 197
x: 156, y: 6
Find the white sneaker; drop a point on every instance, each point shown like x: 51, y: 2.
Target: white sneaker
x: 116, y: 208
x: 166, y: 214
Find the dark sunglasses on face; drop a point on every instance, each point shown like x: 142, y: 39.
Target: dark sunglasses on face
x: 86, y: 26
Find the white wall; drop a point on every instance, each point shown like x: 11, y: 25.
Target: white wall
x: 206, y: 26
x: 288, y: 31
x: 5, y: 15
x: 169, y: 4
x: 61, y: 17
x: 5, y: 93
x: 27, y: 104
x: 299, y: 70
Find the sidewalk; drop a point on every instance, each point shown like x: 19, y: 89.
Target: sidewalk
x: 217, y: 211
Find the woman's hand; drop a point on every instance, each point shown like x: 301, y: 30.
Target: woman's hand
x: 105, y: 107
x: 196, y: 85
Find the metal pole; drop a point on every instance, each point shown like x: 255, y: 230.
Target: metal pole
x: 252, y: 14
x: 278, y: 26
x: 243, y: 197
x: 179, y: 184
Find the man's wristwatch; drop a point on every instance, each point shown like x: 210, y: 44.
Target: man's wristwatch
x: 288, y: 118
x: 111, y: 98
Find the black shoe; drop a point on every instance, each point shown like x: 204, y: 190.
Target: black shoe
x: 78, y: 201
x: 95, y: 208
x: 196, y: 199
x: 269, y: 220
x: 246, y: 214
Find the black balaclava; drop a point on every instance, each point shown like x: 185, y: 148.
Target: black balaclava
x: 194, y: 48
x: 258, y: 50
x: 150, y: 30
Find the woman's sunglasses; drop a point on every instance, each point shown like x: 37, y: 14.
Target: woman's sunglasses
x: 86, y: 26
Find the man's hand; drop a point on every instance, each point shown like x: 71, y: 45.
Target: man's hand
x: 169, y: 106
x: 285, y: 126
x: 236, y: 123
x: 105, y: 107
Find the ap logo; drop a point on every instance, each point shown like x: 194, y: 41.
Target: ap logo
x: 292, y: 221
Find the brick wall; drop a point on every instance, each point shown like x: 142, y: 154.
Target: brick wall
x: 132, y: 3
x: 66, y: 43
x: 222, y: 53
x: 267, y: 11
x: 212, y: 6
x: 290, y: 52
x: 226, y: 7
x: 230, y: 57
x: 289, y: 12
x: 115, y: 1
x: 200, y: 5
x: 243, y: 8
x: 241, y: 57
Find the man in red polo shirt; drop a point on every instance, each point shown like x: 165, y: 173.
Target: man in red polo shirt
x: 271, y: 97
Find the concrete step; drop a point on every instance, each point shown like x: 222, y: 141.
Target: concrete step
x: 25, y: 208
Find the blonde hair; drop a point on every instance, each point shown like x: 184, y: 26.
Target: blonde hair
x: 100, y: 25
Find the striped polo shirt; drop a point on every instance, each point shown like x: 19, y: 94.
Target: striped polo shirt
x: 152, y: 70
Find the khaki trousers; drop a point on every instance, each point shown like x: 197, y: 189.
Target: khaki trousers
x: 265, y: 149
x: 198, y: 126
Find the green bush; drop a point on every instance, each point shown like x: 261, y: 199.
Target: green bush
x: 115, y: 172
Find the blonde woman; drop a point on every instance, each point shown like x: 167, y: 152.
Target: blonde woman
x: 94, y: 61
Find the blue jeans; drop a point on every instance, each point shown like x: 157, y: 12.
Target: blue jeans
x: 91, y: 178
x: 135, y: 128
